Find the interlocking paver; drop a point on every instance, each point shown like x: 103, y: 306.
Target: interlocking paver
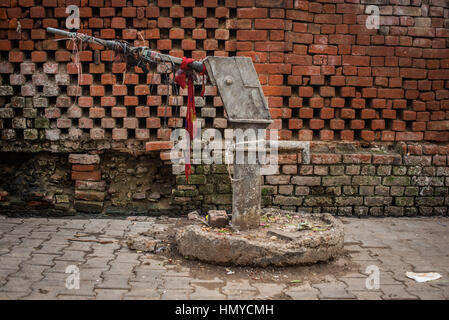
x: 35, y: 252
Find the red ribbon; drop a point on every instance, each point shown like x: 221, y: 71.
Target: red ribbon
x: 186, y: 72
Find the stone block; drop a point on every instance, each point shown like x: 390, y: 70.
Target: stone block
x: 217, y: 218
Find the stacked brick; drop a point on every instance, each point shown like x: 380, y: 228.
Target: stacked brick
x: 89, y: 188
x: 412, y: 181
x: 325, y: 75
x: 3, y: 197
x: 208, y: 188
x: 340, y: 179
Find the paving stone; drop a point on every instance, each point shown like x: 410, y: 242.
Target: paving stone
x: 335, y: 290
x: 109, y: 294
x: 35, y: 252
x: 302, y: 292
x: 175, y: 294
x: 396, y: 292
x: 239, y: 289
x: 267, y: 290
x: 113, y: 282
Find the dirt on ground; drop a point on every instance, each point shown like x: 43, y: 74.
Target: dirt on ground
x: 314, y: 273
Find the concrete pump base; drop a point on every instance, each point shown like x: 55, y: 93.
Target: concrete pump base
x: 277, y: 242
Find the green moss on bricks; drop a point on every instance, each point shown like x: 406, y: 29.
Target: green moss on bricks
x: 224, y: 188
x: 41, y: 123
x: 206, y: 188
x: 404, y: 201
x: 219, y: 168
x: 218, y: 199
x: 267, y: 191
x: 202, y: 169
x: 193, y: 179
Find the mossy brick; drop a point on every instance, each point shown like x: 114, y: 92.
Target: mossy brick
x: 267, y: 201
x: 268, y: 190
x: 396, y: 181
x: 30, y: 113
x: 410, y: 211
x: 336, y: 181
x: 344, y: 211
x: 29, y: 102
x: 88, y: 206
x: 366, y: 180
x: 224, y: 188
x: 206, y: 188
x: 193, y: 179
x: 369, y: 170
x: 394, y: 211
x: 378, y: 201
x: 312, y: 201
x: 41, y: 123
x: 337, y: 170
x: 441, y: 191
x: 349, y: 201
x: 350, y: 190
x: 399, y: 170
x: 411, y: 191
x: 414, y: 171
x: 39, y: 102
x: 288, y: 201
x: 202, y: 169
x: 30, y: 134
x: 219, y: 168
x: 219, y: 179
x: 62, y: 198
x: 397, y: 191
x: 404, y: 201
x: 429, y: 201
x: 384, y: 170
x: 218, y: 198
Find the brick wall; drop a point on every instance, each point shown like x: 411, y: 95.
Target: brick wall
x: 341, y: 178
x: 327, y: 79
x: 325, y: 75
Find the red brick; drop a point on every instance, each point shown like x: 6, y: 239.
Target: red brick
x: 324, y: 158
x: 86, y: 176
x: 158, y: 145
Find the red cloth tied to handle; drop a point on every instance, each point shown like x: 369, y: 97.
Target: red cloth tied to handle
x: 186, y: 72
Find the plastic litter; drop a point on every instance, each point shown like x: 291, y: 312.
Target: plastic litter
x: 423, y: 277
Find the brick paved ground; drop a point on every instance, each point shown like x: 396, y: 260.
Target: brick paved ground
x: 35, y: 252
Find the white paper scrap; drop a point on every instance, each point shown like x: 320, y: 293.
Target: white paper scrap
x: 423, y: 277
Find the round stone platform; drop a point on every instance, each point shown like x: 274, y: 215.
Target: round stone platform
x: 284, y: 238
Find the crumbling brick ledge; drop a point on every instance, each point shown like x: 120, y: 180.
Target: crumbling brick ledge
x: 349, y: 179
